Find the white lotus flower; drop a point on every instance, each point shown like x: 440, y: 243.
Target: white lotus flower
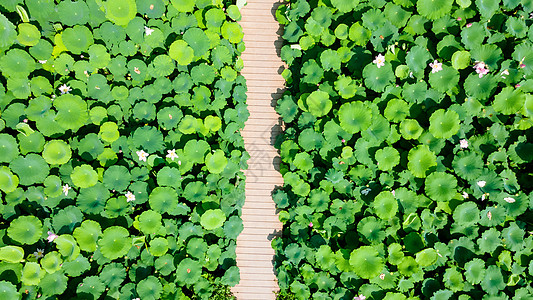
x: 481, y: 183
x: 296, y: 46
x: 142, y: 155
x: 379, y: 61
x: 64, y: 89
x: 66, y: 188
x: 509, y: 199
x: 39, y: 253
x: 465, y: 195
x: 463, y: 143
x: 172, y: 154
x: 129, y: 196
x: 148, y: 30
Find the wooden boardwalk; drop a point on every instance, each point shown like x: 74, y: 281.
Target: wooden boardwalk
x: 262, y: 66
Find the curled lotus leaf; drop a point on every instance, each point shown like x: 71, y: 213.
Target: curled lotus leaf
x: 12, y: 254
x: 426, y: 257
x: 67, y: 246
x: 493, y: 281
x: 366, y: 262
x: 57, y: 152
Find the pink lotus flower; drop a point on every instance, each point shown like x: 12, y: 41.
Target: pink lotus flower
x: 481, y: 68
x: 51, y: 236
x: 435, y: 66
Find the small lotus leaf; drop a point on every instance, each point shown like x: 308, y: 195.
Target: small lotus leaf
x: 212, y: 219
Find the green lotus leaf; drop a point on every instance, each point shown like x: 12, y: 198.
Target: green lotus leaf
x: 203, y: 73
x: 148, y: 138
x: 84, y: 176
x: 153, y: 9
x: 17, y: 63
x: 216, y: 161
x: 120, y: 12
x: 509, y: 101
x: 33, y: 142
x: 163, y: 66
x: 195, y: 150
x: 453, y: 280
x: 169, y: 176
x: 408, y: 266
x: 76, y: 267
x: 475, y: 271
x: 441, y: 186
x: 92, y: 199
x: 212, y: 219
x: 197, y: 40
x: 196, y: 248
x: 67, y: 218
x: 426, y: 257
x: 233, y: 227
x: 158, y: 246
x: 28, y: 35
x: 109, y: 132
x: 188, y: 271
x: 421, y: 159
x: 7, y: 289
x: 318, y: 103
x: 387, y: 158
x: 98, y: 56
x: 52, y: 262
x: 113, y: 275
x: 40, y: 85
x: 376, y: 78
x: 488, y: 242
x: 396, y: 111
x: 71, y: 13
x: 150, y: 222
x: 117, y: 178
x: 183, y: 5
x: 32, y: 273
x: 344, y: 6
x: 330, y: 60
x: 372, y: 229
x: 87, y: 235
x: 115, y: 242
x: 528, y: 106
x: 8, y: 34
x: 72, y: 112
x: 30, y: 169
x: 445, y: 80
x: 150, y: 288
x: 366, y: 262
x: 91, y: 285
x: 8, y: 148
x: 67, y: 246
x: 26, y: 230
x: 213, y: 123
x: 8, y: 181
x: 53, y: 284
x: 385, y: 205
x: 493, y: 280
x: 513, y: 237
x: 181, y: 52
x: 466, y: 214
x: 460, y: 60
x: 313, y: 72
x: 90, y: 147
x: 355, y: 116
x: 434, y: 9
x: 77, y: 39
x: 165, y: 200
x: 487, y: 8
x: 12, y: 254
x: 232, y: 276
x: 195, y: 191
x: 57, y: 152
x: 232, y: 31
x: 468, y: 165
x: 303, y: 161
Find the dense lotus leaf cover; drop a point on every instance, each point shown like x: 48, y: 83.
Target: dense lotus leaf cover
x: 407, y: 153
x: 120, y: 148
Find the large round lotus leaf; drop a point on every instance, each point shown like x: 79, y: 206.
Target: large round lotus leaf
x: 195, y: 150
x: 366, y: 262
x: 163, y: 66
x: 345, y: 6
x: 7, y: 289
x: 169, y: 176
x: 378, y: 78
x: 158, y: 246
x: 71, y: 13
x: 197, y: 40
x: 17, y: 63
x: 98, y: 56
x: 28, y: 35
x: 213, y: 219
x: 461, y: 60
x: 20, y: 87
x: 355, y: 117
x: 148, y: 138
x: 87, y: 234
x: 444, y: 124
x: 466, y: 214
x: 40, y: 85
x: 169, y: 117
x: 8, y: 181
x: 77, y: 39
x: 144, y: 111
x: 188, y: 271
x: 117, y: 178
x: 509, y: 101
x: 8, y: 148
x: 195, y: 191
x: 303, y: 161
x: 84, y: 176
x: 57, y: 152
x: 493, y: 281
x: 91, y: 285
x: 92, y: 199
x: 232, y: 31
x: 181, y: 52
x: 31, y: 273
x: 149, y: 288
x: 113, y: 275
x: 120, y: 12
x: 12, y: 254
x: 30, y: 169
x: 434, y: 9
x: 318, y: 103
x: 475, y: 271
x: 150, y: 222
x: 421, y: 159
x: 216, y: 161
x: 203, y: 73
x: 445, y: 80
x: 196, y: 247
x: 51, y: 262
x: 54, y: 284
x: 165, y: 200
x: 115, y: 242
x: 397, y: 110
x: 42, y: 51
x: 7, y: 33
x: 183, y: 5
x: 233, y: 227
x: 387, y: 158
x: 72, y: 112
x: 441, y: 186
x: 385, y: 205
x: 153, y: 9
x: 372, y: 229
